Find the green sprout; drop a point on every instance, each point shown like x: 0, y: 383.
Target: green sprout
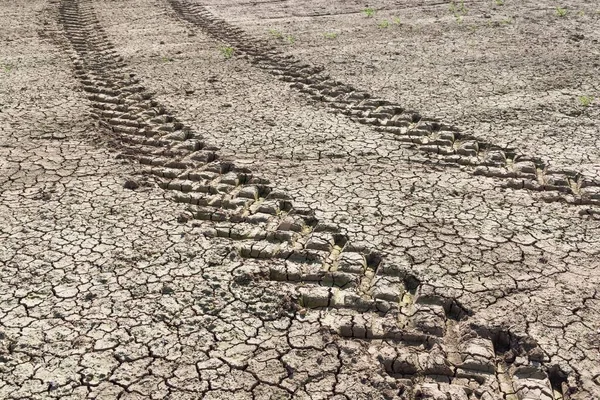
x: 499, y: 2
x: 459, y: 11
x: 369, y: 12
x: 561, y: 12
x: 330, y: 35
x: 227, y: 52
x: 586, y: 101
x: 275, y: 33
x: 384, y: 24
x: 290, y: 39
x: 396, y: 20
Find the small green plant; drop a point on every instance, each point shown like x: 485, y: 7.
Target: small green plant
x: 561, y: 12
x: 166, y: 59
x: 384, y: 24
x: 458, y: 9
x: 7, y: 67
x: 581, y: 13
x: 290, y: 39
x: 499, y: 2
x: 586, y: 101
x: 396, y: 20
x: 369, y: 12
x: 506, y: 21
x: 275, y: 33
x: 227, y: 52
x: 330, y: 35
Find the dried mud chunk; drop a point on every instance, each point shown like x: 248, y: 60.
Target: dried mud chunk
x: 204, y: 156
x: 131, y: 184
x: 179, y: 136
x: 369, y: 326
x: 315, y: 297
x: 326, y: 227
x: 530, y: 389
x: 496, y: 172
x: 310, y: 272
x: 441, y: 391
x: 393, y: 268
x: 386, y: 356
x: 259, y: 218
x: 292, y: 223
x: 232, y: 178
x: 430, y: 319
x: 320, y: 241
x: 177, y: 184
x: 236, y: 203
x: 260, y: 250
x: 478, y: 354
x: 279, y: 272
x: 435, y: 362
x: 184, y: 217
x: 249, y: 192
x: 353, y: 301
x: 294, y: 271
x: 351, y: 262
x: 199, y: 176
x: 525, y: 167
x: 390, y: 288
x: 432, y: 391
x: 337, y: 279
x: 523, y: 369
x: 494, y: 157
x: 406, y: 362
x: 556, y: 180
x: 441, y: 142
x: 270, y: 207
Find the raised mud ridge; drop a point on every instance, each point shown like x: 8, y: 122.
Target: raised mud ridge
x: 448, y: 143
x: 419, y: 337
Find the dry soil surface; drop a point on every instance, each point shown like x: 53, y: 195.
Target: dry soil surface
x: 299, y: 199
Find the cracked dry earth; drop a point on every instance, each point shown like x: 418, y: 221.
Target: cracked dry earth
x: 341, y: 209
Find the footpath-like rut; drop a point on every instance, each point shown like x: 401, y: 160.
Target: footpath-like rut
x: 422, y: 339
x: 452, y: 147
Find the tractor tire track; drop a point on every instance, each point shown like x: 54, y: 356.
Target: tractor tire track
x: 517, y: 171
x: 359, y: 292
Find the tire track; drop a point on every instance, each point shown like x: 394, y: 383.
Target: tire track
x: 447, y: 143
x: 359, y: 293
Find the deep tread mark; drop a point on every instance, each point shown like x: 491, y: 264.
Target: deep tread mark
x: 518, y: 171
x: 368, y: 296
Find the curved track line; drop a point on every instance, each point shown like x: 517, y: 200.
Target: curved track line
x: 419, y: 335
x: 517, y: 170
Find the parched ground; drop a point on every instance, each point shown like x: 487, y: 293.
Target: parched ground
x: 299, y: 199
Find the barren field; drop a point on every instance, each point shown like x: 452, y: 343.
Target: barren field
x: 308, y: 199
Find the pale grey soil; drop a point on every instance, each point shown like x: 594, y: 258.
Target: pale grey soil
x: 340, y: 262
